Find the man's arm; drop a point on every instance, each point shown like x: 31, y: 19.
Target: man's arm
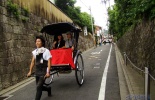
x: 31, y: 66
x: 48, y: 68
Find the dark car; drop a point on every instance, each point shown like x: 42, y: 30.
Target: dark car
x: 106, y: 41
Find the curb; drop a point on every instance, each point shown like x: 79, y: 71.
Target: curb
x: 124, y: 80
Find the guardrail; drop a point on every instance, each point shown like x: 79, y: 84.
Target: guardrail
x: 147, y: 75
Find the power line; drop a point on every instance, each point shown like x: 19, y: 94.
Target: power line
x: 89, y: 8
x: 105, y: 2
x: 84, y: 4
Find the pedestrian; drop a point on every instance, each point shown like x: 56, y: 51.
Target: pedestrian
x: 58, y: 42
x: 96, y: 43
x: 100, y: 41
x: 41, y: 59
x: 70, y: 41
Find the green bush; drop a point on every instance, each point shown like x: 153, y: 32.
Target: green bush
x: 25, y: 12
x: 126, y: 14
x: 13, y: 9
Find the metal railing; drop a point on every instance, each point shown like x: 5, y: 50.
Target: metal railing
x: 146, y: 72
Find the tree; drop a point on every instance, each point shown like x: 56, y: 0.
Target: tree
x: 78, y: 17
x: 126, y: 14
x: 85, y: 20
x: 65, y: 5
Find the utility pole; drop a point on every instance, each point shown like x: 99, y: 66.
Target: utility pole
x: 105, y: 2
x: 92, y: 26
x: 91, y: 21
x: 89, y: 8
x: 109, y: 3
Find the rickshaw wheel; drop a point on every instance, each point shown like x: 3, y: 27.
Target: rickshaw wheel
x: 79, y: 71
x: 49, y: 80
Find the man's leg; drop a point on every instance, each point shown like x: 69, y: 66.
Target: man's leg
x: 39, y: 83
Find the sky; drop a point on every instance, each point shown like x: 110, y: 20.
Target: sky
x: 98, y: 9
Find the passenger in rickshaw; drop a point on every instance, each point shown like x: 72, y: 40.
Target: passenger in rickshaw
x: 58, y: 42
x: 41, y: 59
x: 63, y: 56
x: 70, y: 41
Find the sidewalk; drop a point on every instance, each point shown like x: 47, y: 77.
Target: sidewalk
x: 130, y: 81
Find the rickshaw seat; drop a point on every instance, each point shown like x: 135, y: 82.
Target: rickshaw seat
x: 62, y: 57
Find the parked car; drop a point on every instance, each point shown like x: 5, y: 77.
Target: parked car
x: 107, y: 41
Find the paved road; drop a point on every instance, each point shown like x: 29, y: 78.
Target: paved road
x: 65, y: 87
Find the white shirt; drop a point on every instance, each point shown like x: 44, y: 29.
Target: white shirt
x: 68, y: 43
x: 46, y: 53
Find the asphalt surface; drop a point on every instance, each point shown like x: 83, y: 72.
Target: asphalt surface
x: 65, y: 86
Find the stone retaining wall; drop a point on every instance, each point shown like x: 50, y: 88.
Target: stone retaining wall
x: 139, y: 45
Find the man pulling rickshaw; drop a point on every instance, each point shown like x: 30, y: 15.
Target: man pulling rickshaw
x: 65, y: 56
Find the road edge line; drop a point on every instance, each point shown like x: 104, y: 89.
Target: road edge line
x: 104, y: 78
x: 11, y: 89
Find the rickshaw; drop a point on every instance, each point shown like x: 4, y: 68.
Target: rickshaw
x: 72, y: 59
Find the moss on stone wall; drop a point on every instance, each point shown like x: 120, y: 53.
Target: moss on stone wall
x: 18, y: 12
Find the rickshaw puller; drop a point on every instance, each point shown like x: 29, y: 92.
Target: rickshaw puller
x: 41, y: 58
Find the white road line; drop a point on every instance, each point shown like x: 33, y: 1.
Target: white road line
x: 16, y: 87
x: 8, y: 97
x: 104, y: 78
